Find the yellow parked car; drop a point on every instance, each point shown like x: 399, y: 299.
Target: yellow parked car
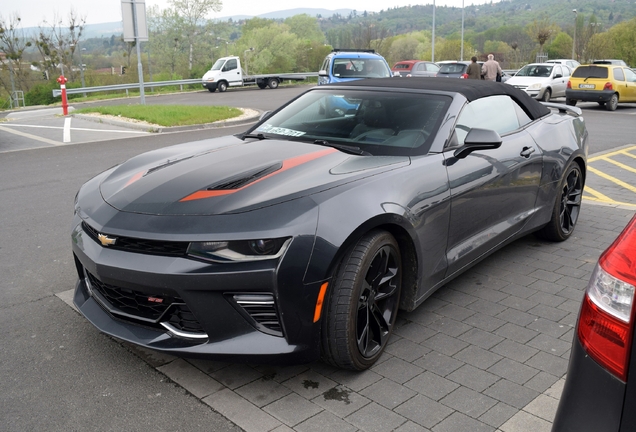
x: 606, y: 84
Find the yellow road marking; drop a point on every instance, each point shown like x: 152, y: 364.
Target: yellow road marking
x: 620, y: 165
x: 606, y: 155
x: 612, y: 179
x: 611, y: 202
x: 599, y: 196
x: 628, y: 154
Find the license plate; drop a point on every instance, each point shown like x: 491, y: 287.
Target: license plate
x: 587, y: 86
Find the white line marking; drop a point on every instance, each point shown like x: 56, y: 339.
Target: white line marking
x: 33, y: 137
x: 67, y: 130
x: 75, y: 129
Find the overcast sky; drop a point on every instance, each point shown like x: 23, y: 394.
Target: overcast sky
x: 34, y: 12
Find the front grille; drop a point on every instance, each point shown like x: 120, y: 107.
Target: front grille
x: 141, y: 308
x: 262, y: 309
x: 151, y: 247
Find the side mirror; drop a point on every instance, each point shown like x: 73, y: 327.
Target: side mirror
x: 478, y: 139
x: 264, y: 115
x: 323, y: 72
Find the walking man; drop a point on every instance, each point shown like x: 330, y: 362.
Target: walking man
x: 473, y: 71
x: 491, y: 69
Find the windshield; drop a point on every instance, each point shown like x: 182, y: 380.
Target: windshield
x: 539, y: 71
x: 218, y: 64
x: 360, y: 68
x: 380, y: 123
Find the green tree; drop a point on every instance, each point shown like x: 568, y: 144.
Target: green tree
x: 306, y: 28
x: 13, y: 44
x: 560, y: 47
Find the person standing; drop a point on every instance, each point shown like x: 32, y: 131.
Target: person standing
x: 473, y: 71
x: 491, y: 69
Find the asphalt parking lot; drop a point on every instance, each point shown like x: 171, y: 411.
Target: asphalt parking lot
x: 488, y: 352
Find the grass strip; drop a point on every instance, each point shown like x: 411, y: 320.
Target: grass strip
x: 167, y: 115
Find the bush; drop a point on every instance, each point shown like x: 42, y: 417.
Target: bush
x: 42, y: 94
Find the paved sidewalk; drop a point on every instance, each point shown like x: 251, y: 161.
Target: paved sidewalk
x: 487, y: 352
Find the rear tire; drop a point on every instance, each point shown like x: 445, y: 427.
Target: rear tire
x: 547, y: 94
x: 363, y: 302
x: 262, y: 85
x: 612, y: 104
x: 571, y: 102
x: 601, y: 104
x: 222, y: 86
x: 272, y: 83
x: 567, y: 206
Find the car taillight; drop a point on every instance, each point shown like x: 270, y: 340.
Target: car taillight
x: 608, y: 86
x: 606, y: 321
x: 464, y: 76
x: 569, y: 84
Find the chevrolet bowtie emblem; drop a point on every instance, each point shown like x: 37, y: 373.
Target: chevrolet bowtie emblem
x: 106, y: 241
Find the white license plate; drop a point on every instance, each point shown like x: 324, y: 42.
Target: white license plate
x: 591, y: 86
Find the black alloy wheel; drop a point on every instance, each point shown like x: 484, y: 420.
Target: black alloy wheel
x: 363, y: 303
x: 566, y: 210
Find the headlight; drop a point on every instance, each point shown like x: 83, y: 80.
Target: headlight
x: 241, y: 250
x: 535, y: 86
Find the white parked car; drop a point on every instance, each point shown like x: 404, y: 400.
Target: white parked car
x: 542, y: 81
x: 573, y: 64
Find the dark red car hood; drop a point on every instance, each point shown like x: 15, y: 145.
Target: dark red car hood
x: 228, y: 175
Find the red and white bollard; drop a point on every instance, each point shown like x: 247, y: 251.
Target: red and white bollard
x: 62, y: 81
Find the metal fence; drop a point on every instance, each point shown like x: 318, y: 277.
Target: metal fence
x: 130, y: 86
x: 179, y: 83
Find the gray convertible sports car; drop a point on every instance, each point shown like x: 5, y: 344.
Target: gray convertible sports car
x: 302, y: 237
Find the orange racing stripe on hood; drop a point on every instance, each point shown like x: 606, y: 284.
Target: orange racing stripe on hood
x: 287, y: 164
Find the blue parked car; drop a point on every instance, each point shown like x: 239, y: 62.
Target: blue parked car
x: 348, y: 65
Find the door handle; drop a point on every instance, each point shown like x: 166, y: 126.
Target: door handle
x: 527, y: 151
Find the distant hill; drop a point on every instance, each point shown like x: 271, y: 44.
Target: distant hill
x: 325, y: 13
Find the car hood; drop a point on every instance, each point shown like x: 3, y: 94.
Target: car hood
x: 526, y: 81
x: 228, y: 175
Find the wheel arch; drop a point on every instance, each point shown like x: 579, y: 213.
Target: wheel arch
x: 397, y: 227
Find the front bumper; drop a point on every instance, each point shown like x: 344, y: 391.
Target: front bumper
x: 589, y: 95
x: 118, y: 292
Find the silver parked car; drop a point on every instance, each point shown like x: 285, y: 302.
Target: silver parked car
x: 542, y: 81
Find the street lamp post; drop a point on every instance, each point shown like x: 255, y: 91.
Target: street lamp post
x: 461, y: 54
x: 574, y: 39
x: 79, y: 50
x: 433, y: 38
x: 245, y: 52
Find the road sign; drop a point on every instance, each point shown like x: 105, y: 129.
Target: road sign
x: 129, y: 20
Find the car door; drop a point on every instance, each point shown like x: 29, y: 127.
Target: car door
x: 630, y: 86
x: 232, y: 73
x: 493, y: 192
x: 559, y: 81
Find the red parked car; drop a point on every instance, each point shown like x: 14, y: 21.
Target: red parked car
x: 600, y: 388
x: 404, y: 67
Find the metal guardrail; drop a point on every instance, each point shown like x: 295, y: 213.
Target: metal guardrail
x: 181, y: 83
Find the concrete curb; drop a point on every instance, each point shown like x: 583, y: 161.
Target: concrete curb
x: 249, y: 116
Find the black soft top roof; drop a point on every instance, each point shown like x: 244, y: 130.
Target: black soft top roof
x: 470, y: 89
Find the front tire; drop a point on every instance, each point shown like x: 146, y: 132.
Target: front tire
x: 212, y: 90
x: 363, y: 303
x: 547, y: 94
x: 612, y: 104
x: 222, y: 86
x: 567, y: 207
